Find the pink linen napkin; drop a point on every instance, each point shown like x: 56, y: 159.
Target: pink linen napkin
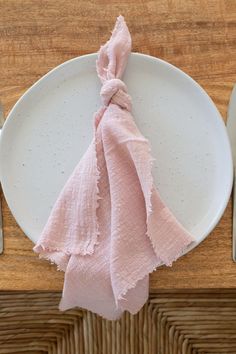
x: 109, y: 227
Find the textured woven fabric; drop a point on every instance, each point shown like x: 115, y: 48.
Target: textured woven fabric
x: 109, y: 227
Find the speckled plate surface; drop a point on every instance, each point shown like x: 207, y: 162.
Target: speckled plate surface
x: 50, y: 128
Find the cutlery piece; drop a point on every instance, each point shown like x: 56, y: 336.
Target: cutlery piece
x: 1, y: 229
x: 231, y: 128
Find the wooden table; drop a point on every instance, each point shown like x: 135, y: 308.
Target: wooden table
x: 197, y: 36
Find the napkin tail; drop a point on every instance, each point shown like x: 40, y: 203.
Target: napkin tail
x: 169, y: 240
x: 78, y: 200
x: 168, y: 237
x: 58, y: 257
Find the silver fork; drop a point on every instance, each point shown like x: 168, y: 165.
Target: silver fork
x: 1, y: 229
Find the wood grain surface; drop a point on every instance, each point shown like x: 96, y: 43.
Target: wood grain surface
x: 197, y: 36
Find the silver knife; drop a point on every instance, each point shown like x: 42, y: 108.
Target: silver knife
x: 231, y: 128
x: 1, y: 228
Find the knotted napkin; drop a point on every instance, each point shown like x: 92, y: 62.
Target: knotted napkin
x: 109, y: 227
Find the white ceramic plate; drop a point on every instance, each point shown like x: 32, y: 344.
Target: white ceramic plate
x: 50, y: 128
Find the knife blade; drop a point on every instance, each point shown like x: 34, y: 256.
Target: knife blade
x: 231, y: 128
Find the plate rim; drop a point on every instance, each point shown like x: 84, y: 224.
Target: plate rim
x: 93, y: 56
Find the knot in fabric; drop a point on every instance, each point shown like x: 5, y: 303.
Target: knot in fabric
x: 115, y: 91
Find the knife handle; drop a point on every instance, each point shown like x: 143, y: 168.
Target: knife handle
x: 234, y: 219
